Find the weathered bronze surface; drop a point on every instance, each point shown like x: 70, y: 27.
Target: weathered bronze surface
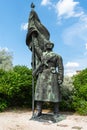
x: 47, y: 66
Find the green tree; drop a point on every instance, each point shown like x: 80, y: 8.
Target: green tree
x: 67, y: 92
x: 22, y: 89
x: 3, y: 95
x: 5, y: 59
x: 80, y: 92
x: 16, y: 87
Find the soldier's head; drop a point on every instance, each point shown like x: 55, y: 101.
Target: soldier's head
x: 49, y: 45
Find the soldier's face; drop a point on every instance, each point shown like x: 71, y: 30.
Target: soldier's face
x: 49, y: 46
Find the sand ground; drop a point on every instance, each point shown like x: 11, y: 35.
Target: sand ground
x: 20, y: 120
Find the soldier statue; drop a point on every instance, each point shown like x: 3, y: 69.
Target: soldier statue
x: 47, y: 65
x: 50, y: 77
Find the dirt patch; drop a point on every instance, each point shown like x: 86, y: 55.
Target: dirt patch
x: 20, y: 120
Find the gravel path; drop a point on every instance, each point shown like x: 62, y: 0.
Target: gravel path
x: 20, y: 120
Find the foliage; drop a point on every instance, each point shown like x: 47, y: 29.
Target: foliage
x: 22, y: 85
x: 5, y: 60
x: 67, y: 92
x: 3, y: 96
x: 3, y: 104
x: 80, y: 92
x: 15, y: 86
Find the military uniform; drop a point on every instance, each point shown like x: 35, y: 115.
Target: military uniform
x: 47, y: 87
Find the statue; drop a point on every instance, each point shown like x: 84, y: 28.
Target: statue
x: 47, y: 66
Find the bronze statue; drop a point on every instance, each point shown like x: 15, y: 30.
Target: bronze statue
x: 47, y: 66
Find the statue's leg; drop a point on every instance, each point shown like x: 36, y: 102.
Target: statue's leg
x: 56, y: 108
x: 39, y: 108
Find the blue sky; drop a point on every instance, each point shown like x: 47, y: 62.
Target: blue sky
x: 66, y: 21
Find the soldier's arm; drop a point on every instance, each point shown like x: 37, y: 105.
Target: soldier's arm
x: 60, y: 68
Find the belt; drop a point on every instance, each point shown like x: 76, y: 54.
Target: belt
x: 51, y: 69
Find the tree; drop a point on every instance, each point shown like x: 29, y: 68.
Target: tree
x: 66, y: 93
x: 80, y: 92
x: 15, y: 87
x: 5, y: 60
x: 3, y: 95
x: 22, y: 86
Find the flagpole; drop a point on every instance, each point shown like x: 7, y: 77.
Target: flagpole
x: 33, y: 63
x: 33, y: 67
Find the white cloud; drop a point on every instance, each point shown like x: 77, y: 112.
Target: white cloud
x: 67, y: 9
x: 24, y: 26
x: 70, y: 73
x: 45, y: 2
x: 76, y: 33
x: 72, y: 64
x: 71, y: 68
x: 64, y: 8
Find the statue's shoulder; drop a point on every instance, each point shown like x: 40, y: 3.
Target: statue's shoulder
x: 58, y: 56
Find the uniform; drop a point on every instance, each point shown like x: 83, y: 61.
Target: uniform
x: 47, y: 87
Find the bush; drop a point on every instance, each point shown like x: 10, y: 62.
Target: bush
x: 21, y: 86
x: 3, y: 105
x: 80, y: 92
x: 67, y: 88
x: 16, y: 86
x: 80, y: 106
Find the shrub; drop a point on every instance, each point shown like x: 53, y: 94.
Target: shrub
x: 80, y: 106
x: 80, y: 92
x: 16, y: 86
x: 66, y: 93
x: 3, y: 105
x: 21, y: 85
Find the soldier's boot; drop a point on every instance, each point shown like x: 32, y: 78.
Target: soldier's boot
x: 38, y: 108
x: 56, y: 109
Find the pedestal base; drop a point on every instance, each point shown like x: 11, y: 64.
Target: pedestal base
x: 51, y: 118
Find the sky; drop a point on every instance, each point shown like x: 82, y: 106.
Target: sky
x: 66, y: 21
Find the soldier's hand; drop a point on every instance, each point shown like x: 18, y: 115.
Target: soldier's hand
x: 60, y: 82
x: 34, y: 73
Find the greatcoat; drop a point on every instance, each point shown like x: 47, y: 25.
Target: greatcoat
x: 47, y: 86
